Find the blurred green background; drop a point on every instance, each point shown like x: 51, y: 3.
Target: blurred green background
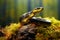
x: 10, y: 10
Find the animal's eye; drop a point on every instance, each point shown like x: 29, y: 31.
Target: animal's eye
x: 38, y: 8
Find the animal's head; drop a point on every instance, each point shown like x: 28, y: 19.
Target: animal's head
x: 37, y: 10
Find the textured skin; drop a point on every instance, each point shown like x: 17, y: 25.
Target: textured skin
x: 25, y: 19
x: 26, y: 16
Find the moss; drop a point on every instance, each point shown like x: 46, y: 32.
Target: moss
x: 49, y: 33
x: 52, y: 32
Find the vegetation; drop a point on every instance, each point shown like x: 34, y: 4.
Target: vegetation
x: 49, y: 33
